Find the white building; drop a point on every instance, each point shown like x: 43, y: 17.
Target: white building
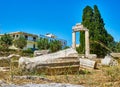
x: 31, y: 39
x: 50, y: 37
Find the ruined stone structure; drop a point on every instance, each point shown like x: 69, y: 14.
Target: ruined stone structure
x: 77, y: 28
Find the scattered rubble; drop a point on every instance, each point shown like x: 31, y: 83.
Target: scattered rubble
x: 109, y: 60
x: 87, y: 63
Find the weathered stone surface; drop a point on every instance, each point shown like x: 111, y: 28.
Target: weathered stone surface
x: 115, y: 55
x: 26, y: 63
x: 108, y: 60
x: 40, y: 52
x: 92, y: 56
x: 31, y: 63
x: 87, y: 63
x: 73, y: 55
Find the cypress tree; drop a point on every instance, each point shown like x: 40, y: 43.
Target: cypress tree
x: 100, y: 40
x: 87, y: 22
x: 100, y: 35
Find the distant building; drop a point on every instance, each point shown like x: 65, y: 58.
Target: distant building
x: 51, y: 37
x: 32, y: 39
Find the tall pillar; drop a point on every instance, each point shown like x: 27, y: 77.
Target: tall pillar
x: 73, y: 39
x: 87, y: 48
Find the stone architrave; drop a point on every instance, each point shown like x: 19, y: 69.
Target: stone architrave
x: 77, y: 28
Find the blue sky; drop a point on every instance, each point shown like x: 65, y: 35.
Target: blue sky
x: 55, y: 16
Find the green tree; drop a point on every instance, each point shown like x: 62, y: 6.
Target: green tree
x: 100, y: 35
x: 20, y: 43
x: 117, y: 47
x: 87, y: 21
x: 43, y: 43
x: 100, y: 40
x: 5, y: 41
x: 66, y: 47
x: 55, y: 45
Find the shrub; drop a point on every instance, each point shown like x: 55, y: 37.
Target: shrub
x: 66, y: 47
x: 21, y: 42
x: 5, y: 41
x: 28, y: 52
x: 55, y: 45
x: 43, y: 43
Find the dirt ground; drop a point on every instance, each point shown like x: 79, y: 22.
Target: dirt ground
x: 102, y: 77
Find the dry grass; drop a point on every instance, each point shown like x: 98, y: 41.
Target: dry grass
x: 102, y: 77
x: 4, y: 63
x: 95, y: 78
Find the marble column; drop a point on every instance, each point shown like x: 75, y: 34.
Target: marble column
x: 87, y: 48
x: 73, y: 39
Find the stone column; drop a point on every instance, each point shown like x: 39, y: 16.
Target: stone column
x: 87, y: 48
x: 73, y: 39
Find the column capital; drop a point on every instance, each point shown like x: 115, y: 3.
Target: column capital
x: 73, y: 32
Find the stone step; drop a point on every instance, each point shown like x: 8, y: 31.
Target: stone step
x: 60, y: 66
x: 60, y: 63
